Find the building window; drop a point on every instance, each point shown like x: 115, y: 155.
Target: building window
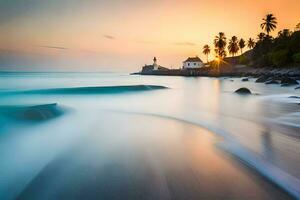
x: 194, y: 63
x: 188, y: 64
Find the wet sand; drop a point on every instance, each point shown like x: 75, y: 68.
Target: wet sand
x: 147, y: 157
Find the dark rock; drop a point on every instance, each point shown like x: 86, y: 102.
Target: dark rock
x: 287, y: 81
x: 294, y: 97
x: 287, y: 84
x: 262, y: 79
x: 277, y: 78
x: 135, y: 73
x: 243, y: 91
x: 245, y: 79
x: 272, y: 82
x: 297, y: 88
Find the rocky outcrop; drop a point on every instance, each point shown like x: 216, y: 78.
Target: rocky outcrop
x: 271, y: 82
x: 294, y: 97
x: 287, y: 81
x: 243, y: 91
x: 262, y: 79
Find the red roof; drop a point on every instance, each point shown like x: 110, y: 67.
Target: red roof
x: 193, y: 59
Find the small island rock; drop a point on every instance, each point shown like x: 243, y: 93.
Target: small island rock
x: 243, y: 91
x: 294, y: 97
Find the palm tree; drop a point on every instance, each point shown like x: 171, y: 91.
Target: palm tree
x: 297, y: 28
x: 250, y: 43
x: 220, y: 45
x: 261, y: 37
x: 242, y: 44
x: 223, y: 53
x: 285, y: 33
x: 206, y: 51
x: 269, y: 23
x: 233, y: 46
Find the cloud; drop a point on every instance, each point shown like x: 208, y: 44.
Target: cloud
x: 53, y: 47
x: 109, y: 37
x: 185, y: 43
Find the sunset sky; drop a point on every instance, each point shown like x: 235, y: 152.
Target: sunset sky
x: 120, y: 35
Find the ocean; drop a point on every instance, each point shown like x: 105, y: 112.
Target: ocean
x: 119, y: 136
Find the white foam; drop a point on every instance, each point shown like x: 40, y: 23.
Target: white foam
x: 291, y: 119
x: 281, y: 98
x: 270, y: 171
x: 284, y: 180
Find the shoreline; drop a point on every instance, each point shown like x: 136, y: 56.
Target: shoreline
x: 231, y: 71
x: 171, y: 163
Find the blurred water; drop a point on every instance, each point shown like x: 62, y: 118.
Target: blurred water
x: 261, y: 129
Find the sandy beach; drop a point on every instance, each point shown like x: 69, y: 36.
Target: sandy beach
x: 158, y: 159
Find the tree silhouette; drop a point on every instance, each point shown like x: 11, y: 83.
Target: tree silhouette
x: 233, y: 46
x: 242, y: 44
x: 220, y: 45
x: 269, y: 23
x: 206, y: 51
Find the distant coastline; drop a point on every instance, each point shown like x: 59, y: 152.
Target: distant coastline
x: 229, y: 67
x: 232, y: 71
x: 287, y: 76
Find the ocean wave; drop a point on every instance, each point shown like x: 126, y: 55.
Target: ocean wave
x: 292, y: 120
x: 93, y: 90
x: 268, y: 170
x: 31, y: 113
x: 282, y: 98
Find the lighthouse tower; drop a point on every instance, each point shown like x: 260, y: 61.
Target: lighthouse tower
x: 155, y: 66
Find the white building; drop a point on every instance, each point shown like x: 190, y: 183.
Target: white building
x: 192, y: 63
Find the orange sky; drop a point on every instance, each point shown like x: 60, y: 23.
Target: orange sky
x: 123, y: 35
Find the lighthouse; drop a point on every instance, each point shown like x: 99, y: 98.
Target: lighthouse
x: 155, y: 66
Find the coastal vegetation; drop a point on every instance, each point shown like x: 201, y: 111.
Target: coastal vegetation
x: 206, y: 51
x: 251, y: 43
x: 233, y: 46
x: 220, y: 45
x: 267, y: 50
x: 269, y: 23
x: 242, y: 44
